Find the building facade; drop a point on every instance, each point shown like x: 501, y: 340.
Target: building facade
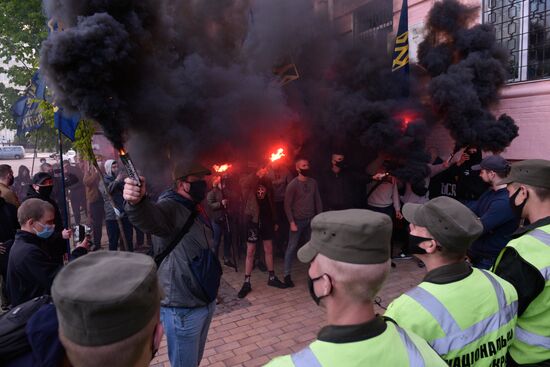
x: 522, y: 26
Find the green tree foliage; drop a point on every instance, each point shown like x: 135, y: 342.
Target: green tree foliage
x: 22, y: 30
x: 83, y: 140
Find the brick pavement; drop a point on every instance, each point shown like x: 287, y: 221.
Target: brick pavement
x: 271, y: 322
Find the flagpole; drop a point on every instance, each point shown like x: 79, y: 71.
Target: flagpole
x: 35, y: 152
x: 66, y: 209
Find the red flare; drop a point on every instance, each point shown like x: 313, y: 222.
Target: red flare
x: 276, y: 156
x: 221, y: 168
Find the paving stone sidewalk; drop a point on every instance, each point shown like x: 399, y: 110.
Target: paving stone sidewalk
x: 271, y: 322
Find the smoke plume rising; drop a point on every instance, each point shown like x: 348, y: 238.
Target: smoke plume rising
x: 183, y: 79
x: 468, y: 68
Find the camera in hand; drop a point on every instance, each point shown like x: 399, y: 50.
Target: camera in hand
x: 81, y: 231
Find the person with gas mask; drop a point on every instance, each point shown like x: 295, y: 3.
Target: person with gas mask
x: 467, y: 315
x: 186, y: 310
x: 261, y: 219
x: 41, y: 188
x: 31, y: 269
x: 302, y: 203
x: 525, y: 261
x: 349, y: 257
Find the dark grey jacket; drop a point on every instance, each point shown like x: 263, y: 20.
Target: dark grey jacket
x: 164, y: 220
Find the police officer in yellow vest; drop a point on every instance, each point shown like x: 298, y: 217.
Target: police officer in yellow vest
x: 467, y: 315
x: 525, y: 262
x: 349, y: 256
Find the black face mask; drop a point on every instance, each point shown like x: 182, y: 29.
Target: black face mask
x: 517, y: 209
x: 45, y: 191
x: 340, y: 164
x: 414, y: 242
x: 197, y: 190
x: 305, y: 172
x: 310, y: 282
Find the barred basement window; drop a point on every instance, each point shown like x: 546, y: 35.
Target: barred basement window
x: 375, y: 17
x: 522, y: 26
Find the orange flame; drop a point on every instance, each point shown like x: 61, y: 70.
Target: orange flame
x: 121, y: 151
x: 276, y: 156
x: 221, y: 168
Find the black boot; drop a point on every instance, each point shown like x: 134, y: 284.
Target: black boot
x: 288, y: 282
x: 245, y: 289
x: 275, y: 282
x: 229, y: 263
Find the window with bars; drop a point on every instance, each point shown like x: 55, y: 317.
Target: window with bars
x: 373, y: 18
x: 523, y: 27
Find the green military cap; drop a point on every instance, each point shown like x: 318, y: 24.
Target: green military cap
x: 190, y: 169
x: 354, y: 236
x: 533, y: 172
x: 106, y: 296
x: 450, y: 222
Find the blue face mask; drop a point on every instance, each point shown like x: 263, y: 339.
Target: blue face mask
x: 46, y: 232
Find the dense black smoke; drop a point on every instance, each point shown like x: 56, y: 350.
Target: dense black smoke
x: 468, y: 68
x: 195, y: 78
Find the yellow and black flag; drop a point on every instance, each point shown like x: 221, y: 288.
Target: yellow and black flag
x: 401, y: 50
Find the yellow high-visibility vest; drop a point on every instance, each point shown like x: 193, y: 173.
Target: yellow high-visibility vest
x: 532, y: 344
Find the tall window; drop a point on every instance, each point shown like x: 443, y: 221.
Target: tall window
x: 375, y: 17
x: 522, y: 26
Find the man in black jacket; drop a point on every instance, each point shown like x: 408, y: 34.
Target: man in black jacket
x: 338, y: 186
x: 8, y: 227
x: 31, y: 269
x: 41, y: 188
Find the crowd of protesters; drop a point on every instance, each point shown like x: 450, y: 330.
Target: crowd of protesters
x: 459, y: 222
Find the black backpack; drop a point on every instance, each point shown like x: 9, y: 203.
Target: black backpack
x: 13, y: 335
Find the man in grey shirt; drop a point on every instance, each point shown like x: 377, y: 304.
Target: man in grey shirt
x: 280, y: 177
x: 302, y: 203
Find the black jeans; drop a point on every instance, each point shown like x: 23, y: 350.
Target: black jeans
x: 97, y: 214
x: 280, y: 240
x: 114, y: 234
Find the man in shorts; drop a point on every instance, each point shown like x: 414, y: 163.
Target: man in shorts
x: 261, y: 220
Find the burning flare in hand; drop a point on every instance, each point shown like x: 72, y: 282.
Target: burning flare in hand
x: 276, y: 156
x: 221, y: 168
x: 129, y: 165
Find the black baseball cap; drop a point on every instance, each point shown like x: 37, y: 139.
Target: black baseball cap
x: 40, y: 177
x: 493, y: 163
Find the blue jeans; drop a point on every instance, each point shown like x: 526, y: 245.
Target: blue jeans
x: 186, y: 330
x: 218, y: 231
x: 293, y: 239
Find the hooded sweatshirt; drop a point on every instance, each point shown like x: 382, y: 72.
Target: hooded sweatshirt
x: 114, y: 188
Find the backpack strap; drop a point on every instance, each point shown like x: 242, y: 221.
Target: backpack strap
x: 186, y: 227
